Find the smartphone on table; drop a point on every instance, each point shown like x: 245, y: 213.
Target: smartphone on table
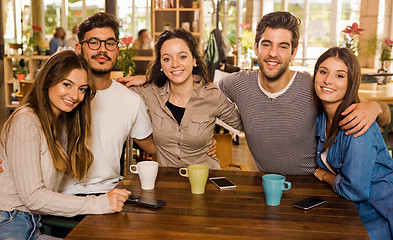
x: 309, y: 203
x: 145, y: 202
x: 222, y: 183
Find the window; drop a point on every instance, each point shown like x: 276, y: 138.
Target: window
x: 134, y: 16
x: 317, y: 17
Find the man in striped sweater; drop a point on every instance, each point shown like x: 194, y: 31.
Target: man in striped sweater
x: 276, y: 104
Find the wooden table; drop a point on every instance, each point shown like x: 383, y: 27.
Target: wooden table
x: 226, y: 214
x: 374, y: 92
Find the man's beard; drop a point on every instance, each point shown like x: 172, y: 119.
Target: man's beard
x: 101, y: 71
x: 277, y: 76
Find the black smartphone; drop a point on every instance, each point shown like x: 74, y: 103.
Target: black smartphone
x: 145, y: 202
x: 309, y: 203
x: 222, y: 183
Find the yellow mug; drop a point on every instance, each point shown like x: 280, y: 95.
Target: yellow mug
x: 197, y: 176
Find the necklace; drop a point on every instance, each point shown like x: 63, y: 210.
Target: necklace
x: 178, y: 100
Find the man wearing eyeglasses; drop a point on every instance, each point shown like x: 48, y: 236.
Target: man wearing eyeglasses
x: 116, y: 111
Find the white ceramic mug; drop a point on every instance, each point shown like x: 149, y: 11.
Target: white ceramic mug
x: 147, y: 171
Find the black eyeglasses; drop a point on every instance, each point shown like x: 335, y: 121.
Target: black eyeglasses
x: 94, y: 43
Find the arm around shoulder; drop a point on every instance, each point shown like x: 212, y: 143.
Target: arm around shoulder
x: 226, y: 85
x: 382, y: 110
x: 138, y: 80
x: 228, y: 113
x: 384, y: 117
x: 147, y: 144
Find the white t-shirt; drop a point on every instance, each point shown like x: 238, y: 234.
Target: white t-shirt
x: 116, y: 113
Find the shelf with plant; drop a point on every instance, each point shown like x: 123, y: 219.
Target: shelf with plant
x: 21, y: 70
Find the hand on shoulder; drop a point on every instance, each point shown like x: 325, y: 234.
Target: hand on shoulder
x: 132, y: 80
x: 359, y: 117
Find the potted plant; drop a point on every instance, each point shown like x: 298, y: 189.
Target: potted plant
x: 195, y: 4
x: 166, y: 26
x: 20, y: 72
x: 124, y: 62
x: 33, y: 40
x: 386, y: 55
x: 247, y: 44
x: 351, y: 37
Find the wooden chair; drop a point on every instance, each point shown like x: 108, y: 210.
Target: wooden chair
x: 49, y: 223
x: 127, y: 157
x: 224, y: 152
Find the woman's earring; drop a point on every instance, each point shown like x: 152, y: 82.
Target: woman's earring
x: 195, y: 65
x: 161, y: 69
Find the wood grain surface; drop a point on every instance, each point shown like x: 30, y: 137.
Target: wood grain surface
x: 226, y: 214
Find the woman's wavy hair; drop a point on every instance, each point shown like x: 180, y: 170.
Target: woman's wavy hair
x: 351, y: 95
x: 157, y: 77
x: 76, y: 160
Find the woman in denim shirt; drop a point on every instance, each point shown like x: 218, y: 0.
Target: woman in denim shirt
x: 358, y: 169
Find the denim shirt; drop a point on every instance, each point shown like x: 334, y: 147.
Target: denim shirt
x: 358, y: 162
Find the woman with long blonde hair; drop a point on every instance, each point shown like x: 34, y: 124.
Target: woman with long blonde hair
x: 45, y: 138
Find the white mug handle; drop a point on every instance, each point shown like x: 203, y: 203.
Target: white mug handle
x: 136, y: 169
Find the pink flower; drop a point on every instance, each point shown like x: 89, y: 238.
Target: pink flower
x: 353, y: 30
x: 245, y: 26
x: 388, y: 42
x: 37, y: 28
x: 127, y: 41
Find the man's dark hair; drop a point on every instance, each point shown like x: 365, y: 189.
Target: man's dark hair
x: 98, y: 20
x: 276, y: 20
x: 141, y: 32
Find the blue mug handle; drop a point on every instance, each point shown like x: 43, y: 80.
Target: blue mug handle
x: 288, y: 186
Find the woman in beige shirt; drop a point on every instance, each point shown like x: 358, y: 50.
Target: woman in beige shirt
x: 44, y: 139
x: 182, y: 102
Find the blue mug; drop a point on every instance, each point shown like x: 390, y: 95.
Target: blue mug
x: 273, y: 185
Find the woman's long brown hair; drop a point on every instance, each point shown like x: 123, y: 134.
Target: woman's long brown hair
x: 157, y: 77
x: 351, y: 95
x: 76, y: 160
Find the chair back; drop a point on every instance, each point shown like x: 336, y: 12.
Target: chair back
x: 224, y: 149
x: 126, y: 157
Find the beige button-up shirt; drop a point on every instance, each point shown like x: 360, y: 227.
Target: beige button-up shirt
x: 186, y: 144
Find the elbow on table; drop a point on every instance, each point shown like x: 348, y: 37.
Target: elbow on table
x: 351, y: 190
x: 354, y: 194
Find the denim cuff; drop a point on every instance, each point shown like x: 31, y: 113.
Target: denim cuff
x: 336, y: 181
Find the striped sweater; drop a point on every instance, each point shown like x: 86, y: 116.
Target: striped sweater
x: 280, y: 131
